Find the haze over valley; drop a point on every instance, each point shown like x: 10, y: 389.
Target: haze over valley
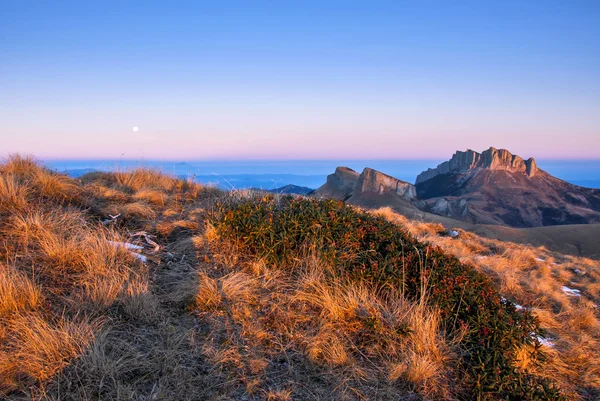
x: 269, y: 174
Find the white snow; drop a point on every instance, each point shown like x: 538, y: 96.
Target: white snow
x: 542, y: 340
x: 125, y: 245
x: 570, y: 291
x: 517, y: 306
x: 539, y: 259
x: 140, y: 257
x: 454, y: 233
x: 545, y: 341
x: 579, y: 272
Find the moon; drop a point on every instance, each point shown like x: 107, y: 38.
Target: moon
x: 135, y: 129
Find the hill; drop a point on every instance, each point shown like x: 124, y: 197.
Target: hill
x: 291, y: 189
x: 137, y: 285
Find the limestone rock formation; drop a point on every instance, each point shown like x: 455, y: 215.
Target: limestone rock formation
x: 346, y: 183
x: 339, y: 185
x: 497, y: 187
x: 377, y: 182
x: 494, y: 159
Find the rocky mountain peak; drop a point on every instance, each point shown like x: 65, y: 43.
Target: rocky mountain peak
x: 345, y: 183
x: 377, y: 182
x: 492, y: 158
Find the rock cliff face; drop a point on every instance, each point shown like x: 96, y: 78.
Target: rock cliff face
x: 497, y: 187
x: 494, y: 159
x: 344, y: 178
x: 346, y: 183
x: 376, y: 182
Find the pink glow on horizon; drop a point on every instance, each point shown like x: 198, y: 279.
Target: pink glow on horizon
x: 375, y: 134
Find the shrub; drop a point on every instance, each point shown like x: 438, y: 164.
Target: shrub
x: 369, y: 249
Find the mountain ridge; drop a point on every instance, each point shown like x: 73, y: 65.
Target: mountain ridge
x: 345, y: 184
x: 492, y: 158
x: 491, y: 187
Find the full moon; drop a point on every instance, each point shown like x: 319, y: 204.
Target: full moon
x: 135, y: 129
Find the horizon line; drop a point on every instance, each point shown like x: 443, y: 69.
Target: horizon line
x: 278, y: 159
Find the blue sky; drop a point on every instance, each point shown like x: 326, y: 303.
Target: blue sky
x: 299, y: 80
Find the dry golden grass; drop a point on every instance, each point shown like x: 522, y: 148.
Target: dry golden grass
x: 80, y: 316
x: 60, y: 270
x: 135, y: 210
x: 56, y: 186
x: 19, y: 293
x: 352, y: 340
x: 65, y: 250
x: 22, y: 178
x: 533, y: 278
x: 145, y: 179
x: 166, y: 228
x: 278, y: 395
x: 19, y: 165
x: 13, y: 194
x: 103, y: 193
x: 40, y: 348
x: 151, y: 196
x: 209, y: 295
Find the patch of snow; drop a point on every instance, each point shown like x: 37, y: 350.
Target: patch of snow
x: 125, y: 245
x: 142, y: 258
x: 579, y: 272
x: 570, y: 291
x: 517, y: 306
x: 454, y: 233
x: 544, y: 341
x: 539, y: 259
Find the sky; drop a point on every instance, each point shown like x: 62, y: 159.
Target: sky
x: 298, y: 80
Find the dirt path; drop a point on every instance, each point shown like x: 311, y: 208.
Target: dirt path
x: 149, y: 347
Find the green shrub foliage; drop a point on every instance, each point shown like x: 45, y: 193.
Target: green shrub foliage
x: 368, y: 248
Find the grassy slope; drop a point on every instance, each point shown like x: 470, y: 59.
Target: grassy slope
x: 81, y: 318
x: 579, y: 240
x: 534, y: 277
x: 95, y: 323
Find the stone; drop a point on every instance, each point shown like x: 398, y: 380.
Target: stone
x: 345, y: 182
x: 376, y: 182
x: 494, y: 159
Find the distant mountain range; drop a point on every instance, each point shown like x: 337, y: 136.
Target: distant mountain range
x: 292, y: 189
x: 267, y: 182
